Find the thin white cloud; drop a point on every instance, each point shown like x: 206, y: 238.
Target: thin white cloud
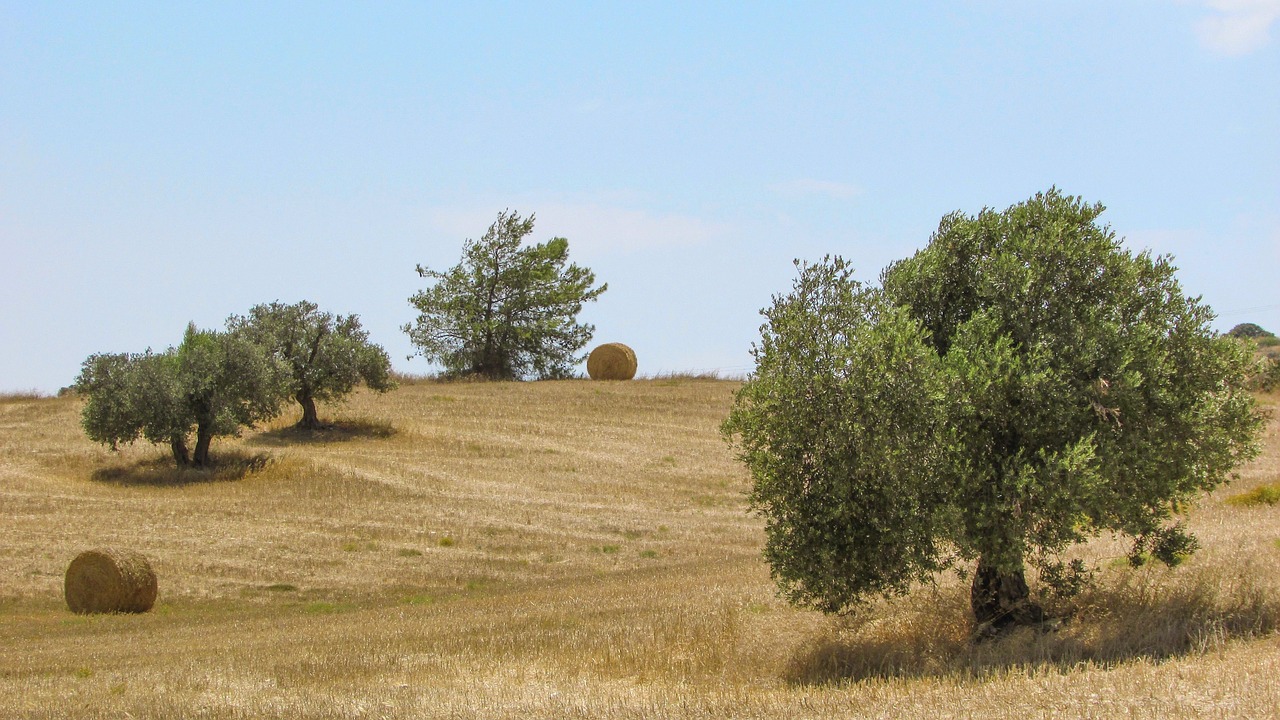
x: 1238, y: 27
x: 594, y: 229
x: 825, y: 188
x: 603, y: 228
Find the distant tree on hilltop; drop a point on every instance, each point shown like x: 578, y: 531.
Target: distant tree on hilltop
x: 505, y: 312
x: 1248, y: 330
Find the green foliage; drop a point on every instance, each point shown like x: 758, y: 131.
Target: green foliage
x: 1268, y: 494
x: 843, y: 427
x: 1019, y: 385
x: 1266, y: 371
x: 1066, y: 579
x: 505, y: 312
x: 1170, y: 545
x: 1266, y: 374
x: 132, y: 396
x: 326, y: 355
x: 1267, y: 377
x: 212, y: 384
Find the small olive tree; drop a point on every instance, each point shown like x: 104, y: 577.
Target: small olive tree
x: 1021, y: 384
x: 326, y: 355
x: 505, y: 311
x: 211, y: 385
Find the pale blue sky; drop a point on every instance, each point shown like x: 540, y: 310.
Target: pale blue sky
x: 167, y: 162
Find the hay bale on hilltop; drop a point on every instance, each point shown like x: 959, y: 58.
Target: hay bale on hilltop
x: 110, y: 581
x: 612, y: 361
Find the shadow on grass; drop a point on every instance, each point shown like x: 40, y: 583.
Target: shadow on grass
x: 163, y: 472
x: 336, y: 431
x: 1131, y: 618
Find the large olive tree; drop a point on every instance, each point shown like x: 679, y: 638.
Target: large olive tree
x: 505, y: 311
x: 212, y: 384
x: 1019, y: 385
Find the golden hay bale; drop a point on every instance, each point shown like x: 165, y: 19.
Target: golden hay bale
x: 612, y: 361
x: 110, y: 581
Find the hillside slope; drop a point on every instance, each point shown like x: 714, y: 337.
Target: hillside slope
x: 560, y: 549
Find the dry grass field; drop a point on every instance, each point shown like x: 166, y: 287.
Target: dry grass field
x: 556, y: 550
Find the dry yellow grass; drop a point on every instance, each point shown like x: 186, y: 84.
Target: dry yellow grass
x: 563, y: 549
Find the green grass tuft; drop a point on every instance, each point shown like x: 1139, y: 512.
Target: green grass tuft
x: 324, y: 608
x: 1268, y: 494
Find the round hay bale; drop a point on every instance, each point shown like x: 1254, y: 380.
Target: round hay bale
x: 110, y: 581
x: 612, y: 361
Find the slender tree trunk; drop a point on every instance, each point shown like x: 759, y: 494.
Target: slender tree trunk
x: 178, y: 444
x: 1001, y: 600
x: 204, y: 436
x: 310, y: 420
x: 492, y: 365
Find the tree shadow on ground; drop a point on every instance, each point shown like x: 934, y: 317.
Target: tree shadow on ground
x: 1129, y: 619
x: 163, y: 472
x: 337, y: 431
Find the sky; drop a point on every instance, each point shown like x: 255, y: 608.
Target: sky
x: 169, y: 162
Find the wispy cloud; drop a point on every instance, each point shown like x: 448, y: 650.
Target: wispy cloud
x: 1237, y: 27
x: 825, y: 188
x: 603, y: 228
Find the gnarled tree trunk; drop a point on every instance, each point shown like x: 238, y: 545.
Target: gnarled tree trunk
x: 310, y: 420
x: 178, y: 445
x: 1001, y: 600
x: 204, y: 436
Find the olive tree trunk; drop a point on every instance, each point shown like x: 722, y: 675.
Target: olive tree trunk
x: 178, y: 445
x: 204, y: 435
x: 310, y: 419
x: 1001, y: 600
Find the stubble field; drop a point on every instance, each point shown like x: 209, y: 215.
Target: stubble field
x: 558, y: 549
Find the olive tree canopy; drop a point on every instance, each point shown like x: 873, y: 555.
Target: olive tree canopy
x: 326, y: 355
x: 212, y: 384
x: 1019, y: 385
